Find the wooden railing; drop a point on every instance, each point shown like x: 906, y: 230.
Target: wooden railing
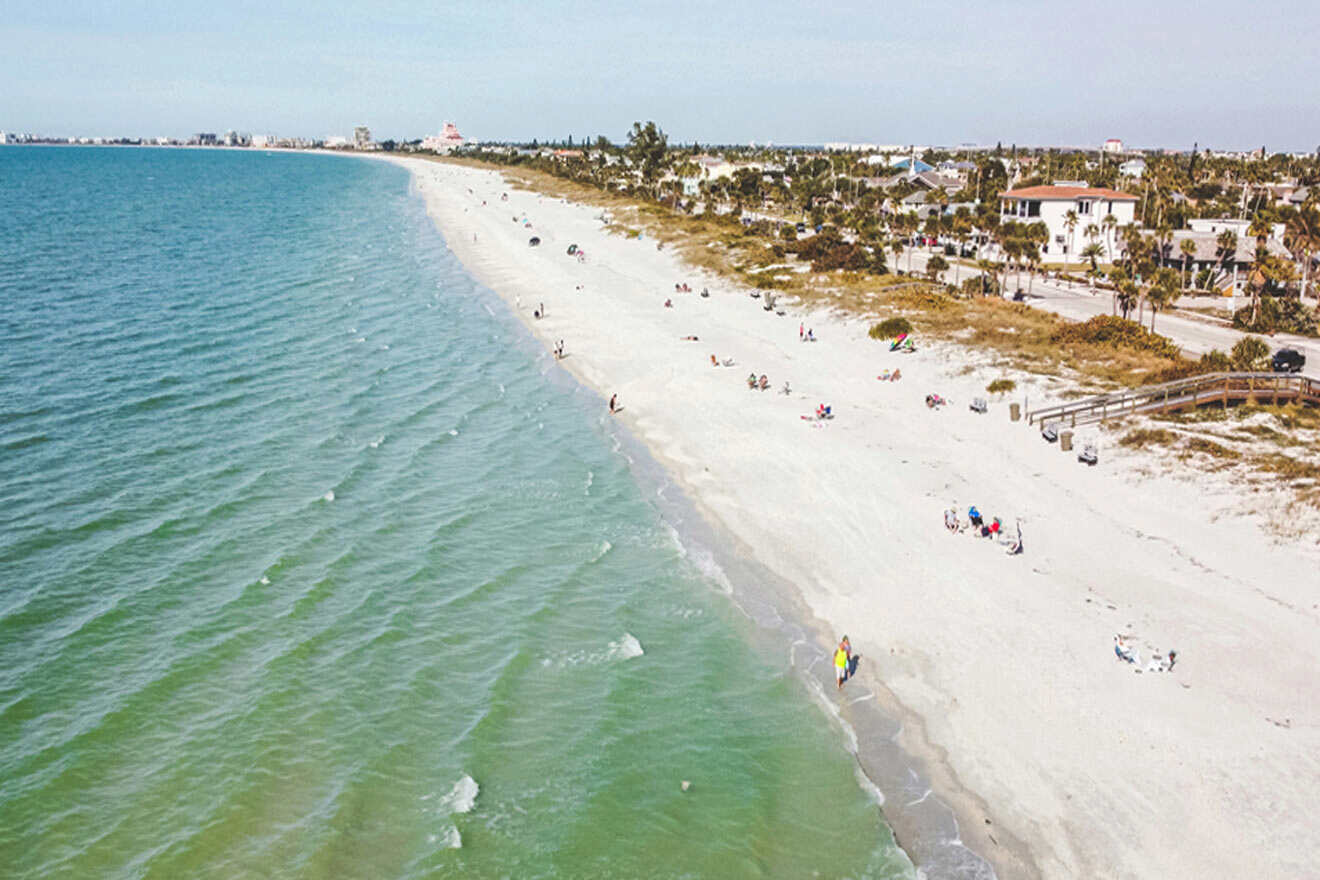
x: 1203, y: 390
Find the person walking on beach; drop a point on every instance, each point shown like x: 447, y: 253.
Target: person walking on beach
x: 841, y: 663
x: 614, y: 400
x: 802, y: 331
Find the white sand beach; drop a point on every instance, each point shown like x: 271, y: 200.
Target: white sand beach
x: 1059, y: 759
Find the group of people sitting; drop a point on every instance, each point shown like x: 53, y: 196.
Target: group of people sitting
x: 715, y: 362
x: 890, y: 376
x: 824, y: 411
x: 559, y: 350
x: 754, y: 383
x: 682, y: 288
x: 934, y: 401
x: 976, y: 523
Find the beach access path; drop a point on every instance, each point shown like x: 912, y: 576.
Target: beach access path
x: 1001, y: 667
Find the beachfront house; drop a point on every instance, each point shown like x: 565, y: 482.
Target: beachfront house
x: 1050, y: 205
x: 1133, y: 168
x: 1224, y: 268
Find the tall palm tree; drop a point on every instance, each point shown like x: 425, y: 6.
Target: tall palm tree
x: 1226, y: 249
x: 1093, y: 252
x: 1303, y: 239
x: 1188, y: 248
x: 1070, y: 224
x: 1259, y: 230
x: 1110, y: 223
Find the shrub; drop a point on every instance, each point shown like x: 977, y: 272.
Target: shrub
x: 1001, y: 386
x: 890, y: 328
x: 788, y: 233
x: 1210, y: 447
x: 1115, y: 332
x: 1210, y: 362
x: 1143, y: 437
x: 1215, y: 361
x: 1251, y: 354
x: 1277, y: 314
x: 972, y: 286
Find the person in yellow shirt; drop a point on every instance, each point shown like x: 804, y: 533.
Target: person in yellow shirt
x: 841, y: 662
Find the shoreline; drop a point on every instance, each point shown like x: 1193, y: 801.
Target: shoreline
x: 775, y: 492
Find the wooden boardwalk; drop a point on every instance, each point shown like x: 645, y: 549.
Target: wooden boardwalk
x: 1224, y: 389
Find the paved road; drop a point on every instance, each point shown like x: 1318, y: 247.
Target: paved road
x: 1194, y: 335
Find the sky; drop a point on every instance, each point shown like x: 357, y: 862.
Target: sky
x: 1155, y: 73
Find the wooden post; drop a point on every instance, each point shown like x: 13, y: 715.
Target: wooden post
x: 1065, y: 440
x: 1014, y: 411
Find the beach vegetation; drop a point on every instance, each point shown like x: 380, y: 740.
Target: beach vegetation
x: 890, y: 328
x: 1140, y: 438
x: 1251, y: 354
x: 1001, y: 386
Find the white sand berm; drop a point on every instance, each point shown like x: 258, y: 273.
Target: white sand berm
x: 1212, y: 770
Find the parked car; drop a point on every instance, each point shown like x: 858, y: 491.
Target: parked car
x: 801, y: 228
x: 1288, y: 360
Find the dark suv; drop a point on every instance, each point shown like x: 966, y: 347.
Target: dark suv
x: 1288, y: 360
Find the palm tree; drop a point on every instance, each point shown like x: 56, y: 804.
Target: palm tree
x: 962, y: 227
x: 1110, y: 223
x: 1260, y: 230
x: 1070, y: 223
x: 1226, y: 249
x: 935, y: 267
x: 1303, y: 238
x: 1164, y: 292
x: 1093, y: 252
x: 1188, y: 248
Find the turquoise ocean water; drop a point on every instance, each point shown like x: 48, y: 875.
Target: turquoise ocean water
x: 313, y: 565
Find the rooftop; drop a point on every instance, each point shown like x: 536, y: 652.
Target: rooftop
x: 1068, y: 193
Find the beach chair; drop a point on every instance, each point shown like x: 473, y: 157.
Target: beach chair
x: 1089, y: 455
x: 979, y: 405
x: 1050, y: 432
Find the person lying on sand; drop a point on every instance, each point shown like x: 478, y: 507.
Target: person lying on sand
x: 714, y: 362
x: 689, y: 339
x: 669, y: 303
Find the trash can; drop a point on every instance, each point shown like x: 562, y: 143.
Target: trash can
x: 1014, y: 411
x: 1065, y: 441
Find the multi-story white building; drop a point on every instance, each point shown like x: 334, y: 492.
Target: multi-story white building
x: 361, y: 137
x: 1050, y: 205
x: 1113, y: 145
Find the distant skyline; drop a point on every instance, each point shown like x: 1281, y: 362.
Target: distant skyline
x: 1154, y: 75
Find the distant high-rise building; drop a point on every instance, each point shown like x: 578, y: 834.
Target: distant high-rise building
x: 361, y: 137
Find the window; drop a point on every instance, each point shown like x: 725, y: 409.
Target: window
x: 1033, y: 209
x: 1084, y: 206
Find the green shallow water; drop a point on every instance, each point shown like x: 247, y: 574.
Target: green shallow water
x: 313, y: 565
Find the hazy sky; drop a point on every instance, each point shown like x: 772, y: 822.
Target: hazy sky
x: 1154, y: 73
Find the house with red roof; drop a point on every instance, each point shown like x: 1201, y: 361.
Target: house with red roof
x: 1090, y: 204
